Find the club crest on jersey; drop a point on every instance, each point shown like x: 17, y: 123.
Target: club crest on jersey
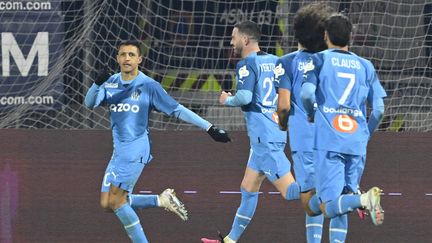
x: 135, y: 95
x: 279, y: 71
x: 111, y: 85
x: 308, y: 67
x: 243, y: 72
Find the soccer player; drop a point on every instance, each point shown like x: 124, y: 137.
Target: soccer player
x: 256, y: 95
x: 131, y: 96
x: 309, y: 32
x: 341, y: 83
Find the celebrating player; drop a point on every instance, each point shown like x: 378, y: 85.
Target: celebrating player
x: 341, y: 83
x: 309, y: 32
x: 131, y: 96
x: 257, y: 98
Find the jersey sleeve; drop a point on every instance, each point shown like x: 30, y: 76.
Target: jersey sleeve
x: 376, y: 90
x: 282, y: 80
x: 246, y: 76
x: 312, y: 69
x: 161, y: 100
x: 95, y: 96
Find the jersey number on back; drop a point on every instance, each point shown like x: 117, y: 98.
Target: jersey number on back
x: 268, y: 86
x: 348, y: 88
x: 344, y: 123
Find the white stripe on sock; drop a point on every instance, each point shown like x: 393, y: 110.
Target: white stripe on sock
x: 338, y: 230
x: 243, y: 217
x: 131, y: 225
x: 340, y: 204
x: 314, y: 225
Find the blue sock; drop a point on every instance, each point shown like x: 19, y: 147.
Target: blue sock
x: 342, y: 205
x: 314, y: 225
x: 338, y: 228
x: 293, y: 192
x: 131, y: 223
x: 143, y: 201
x: 314, y: 204
x: 244, y: 214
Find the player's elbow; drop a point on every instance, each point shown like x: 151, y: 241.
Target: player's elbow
x: 283, y: 110
x: 378, y: 109
x: 378, y: 114
x: 307, y: 97
x: 244, y: 100
x: 244, y: 97
x: 88, y: 103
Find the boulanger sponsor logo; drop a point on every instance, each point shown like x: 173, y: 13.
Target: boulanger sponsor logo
x: 347, y: 111
x: 25, y: 5
x: 29, y: 100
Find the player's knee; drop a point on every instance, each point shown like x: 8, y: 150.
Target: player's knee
x: 251, y: 186
x: 116, y: 202
x: 112, y: 205
x: 323, y: 209
x: 304, y: 199
x: 105, y: 205
x: 304, y: 202
x: 310, y: 212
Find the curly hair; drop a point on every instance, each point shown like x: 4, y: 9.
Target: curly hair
x: 309, y: 26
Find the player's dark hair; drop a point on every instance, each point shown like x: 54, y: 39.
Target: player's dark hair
x: 338, y: 27
x: 249, y: 28
x: 309, y: 26
x: 130, y: 43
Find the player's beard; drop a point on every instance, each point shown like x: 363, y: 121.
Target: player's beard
x: 238, y: 51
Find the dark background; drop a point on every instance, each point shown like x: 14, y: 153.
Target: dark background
x: 50, y: 182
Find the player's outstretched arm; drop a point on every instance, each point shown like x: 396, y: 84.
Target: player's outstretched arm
x: 189, y: 116
x: 218, y: 135
x: 242, y: 97
x: 91, y: 96
x: 102, y: 76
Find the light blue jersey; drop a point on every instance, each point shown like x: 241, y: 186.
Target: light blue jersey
x: 255, y: 73
x: 130, y: 106
x: 289, y: 75
x: 344, y: 83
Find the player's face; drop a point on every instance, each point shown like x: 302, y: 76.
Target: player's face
x: 237, y: 42
x: 128, y: 58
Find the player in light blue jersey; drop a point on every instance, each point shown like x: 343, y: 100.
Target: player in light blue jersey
x: 130, y: 96
x: 309, y: 32
x: 342, y: 83
x: 256, y: 95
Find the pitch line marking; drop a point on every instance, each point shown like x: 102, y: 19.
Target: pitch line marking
x: 394, y: 193
x: 145, y: 192
x: 274, y: 193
